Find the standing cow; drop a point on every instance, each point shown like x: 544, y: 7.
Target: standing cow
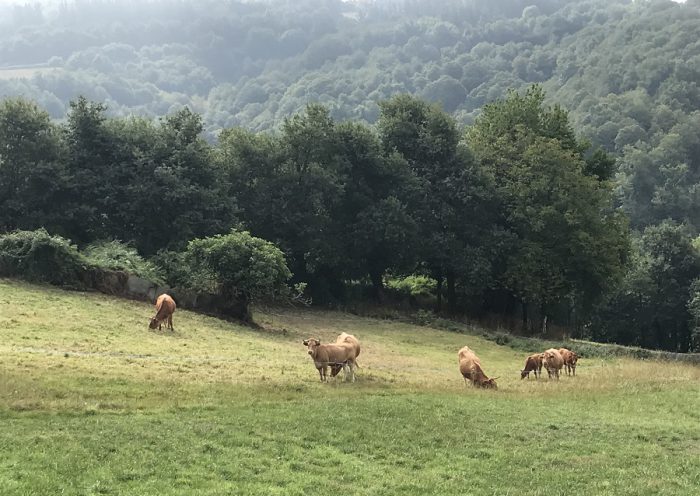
x: 533, y: 363
x: 570, y: 358
x: 328, y: 355
x: 553, y: 362
x: 165, y: 307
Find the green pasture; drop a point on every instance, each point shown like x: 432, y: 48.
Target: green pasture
x: 92, y: 402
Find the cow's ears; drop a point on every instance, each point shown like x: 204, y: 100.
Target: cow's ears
x: 306, y: 342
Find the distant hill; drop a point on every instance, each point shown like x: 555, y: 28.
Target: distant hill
x: 627, y: 71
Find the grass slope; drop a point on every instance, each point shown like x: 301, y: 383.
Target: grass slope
x: 91, y: 402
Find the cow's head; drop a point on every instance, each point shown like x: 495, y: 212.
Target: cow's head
x: 524, y: 374
x: 489, y: 383
x: 153, y: 324
x: 311, y: 345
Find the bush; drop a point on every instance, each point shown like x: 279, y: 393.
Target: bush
x: 172, y: 266
x: 36, y: 256
x: 415, y: 285
x: 114, y: 255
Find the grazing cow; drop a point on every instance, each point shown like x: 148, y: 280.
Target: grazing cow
x: 165, y: 306
x: 553, y: 362
x: 470, y: 368
x: 346, y: 339
x: 533, y: 363
x: 326, y: 355
x: 570, y: 358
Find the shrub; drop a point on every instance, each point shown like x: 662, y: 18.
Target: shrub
x: 36, y: 256
x: 115, y: 255
x: 414, y: 285
x: 172, y: 266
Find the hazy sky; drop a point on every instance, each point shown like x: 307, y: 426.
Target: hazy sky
x: 32, y: 2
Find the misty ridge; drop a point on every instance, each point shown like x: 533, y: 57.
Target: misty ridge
x: 626, y: 71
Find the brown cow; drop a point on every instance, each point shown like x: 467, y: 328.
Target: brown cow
x: 165, y: 306
x: 553, y: 362
x: 470, y: 368
x: 326, y: 355
x: 570, y: 358
x: 346, y: 339
x: 533, y: 363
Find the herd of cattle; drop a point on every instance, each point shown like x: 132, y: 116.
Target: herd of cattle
x: 343, y: 353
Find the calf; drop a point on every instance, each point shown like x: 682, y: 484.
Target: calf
x: 553, y: 362
x: 470, y: 368
x: 346, y: 339
x: 570, y: 358
x: 533, y: 363
x: 325, y: 355
x: 165, y: 307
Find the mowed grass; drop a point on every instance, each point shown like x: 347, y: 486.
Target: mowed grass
x: 91, y: 402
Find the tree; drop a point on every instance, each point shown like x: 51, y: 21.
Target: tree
x: 170, y: 179
x: 239, y: 267
x: 32, y: 174
x: 655, y: 306
x: 373, y: 220
x: 444, y: 186
x: 94, y: 179
x: 569, y: 243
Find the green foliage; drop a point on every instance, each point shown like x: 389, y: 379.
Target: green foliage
x: 32, y: 171
x: 694, y: 310
x: 115, y: 255
x: 568, y: 242
x: 413, y: 285
x: 172, y: 267
x: 39, y: 257
x: 653, y: 306
x: 237, y: 265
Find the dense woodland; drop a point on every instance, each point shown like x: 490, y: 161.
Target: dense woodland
x: 376, y: 141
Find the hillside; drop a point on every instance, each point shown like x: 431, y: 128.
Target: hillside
x: 93, y: 403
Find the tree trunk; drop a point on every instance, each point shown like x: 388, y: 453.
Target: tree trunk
x: 376, y: 276
x: 438, y: 303
x: 525, y: 329
x: 543, y: 318
x: 451, y: 294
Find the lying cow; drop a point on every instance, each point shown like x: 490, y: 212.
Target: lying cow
x: 533, y: 363
x: 326, y: 355
x: 570, y: 358
x: 553, y: 362
x: 470, y: 368
x: 165, y: 307
x: 346, y: 339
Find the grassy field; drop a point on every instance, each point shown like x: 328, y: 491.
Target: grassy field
x: 91, y: 402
